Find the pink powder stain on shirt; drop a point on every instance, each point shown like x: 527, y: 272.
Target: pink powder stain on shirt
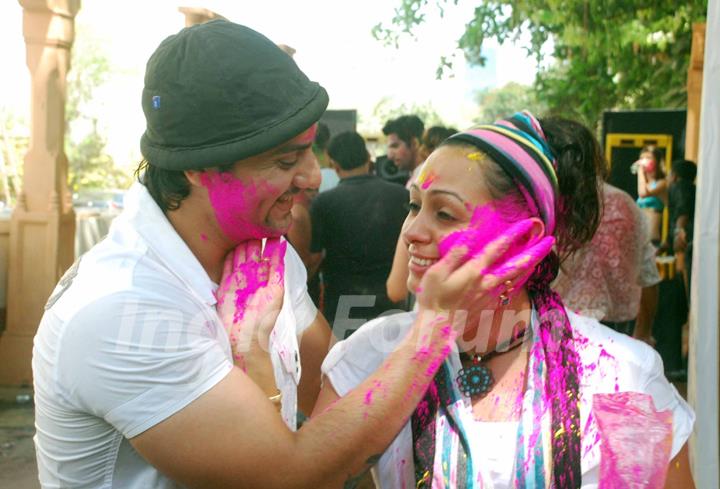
x: 235, y: 204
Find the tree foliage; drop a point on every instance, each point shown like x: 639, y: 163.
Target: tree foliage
x: 90, y: 167
x: 496, y: 103
x: 607, y: 53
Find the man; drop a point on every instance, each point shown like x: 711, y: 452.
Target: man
x: 133, y: 367
x: 356, y: 225
x: 404, y: 137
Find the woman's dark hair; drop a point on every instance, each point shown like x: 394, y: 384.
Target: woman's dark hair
x: 580, y: 163
x: 435, y: 135
x: 659, y: 160
x: 168, y: 188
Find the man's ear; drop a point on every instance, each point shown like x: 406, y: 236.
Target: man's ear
x: 334, y: 165
x: 193, y: 177
x: 415, y: 144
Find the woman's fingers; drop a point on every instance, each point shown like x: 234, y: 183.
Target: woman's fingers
x: 253, y: 250
x: 274, y: 252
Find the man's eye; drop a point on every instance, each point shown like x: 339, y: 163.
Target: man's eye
x: 287, y: 164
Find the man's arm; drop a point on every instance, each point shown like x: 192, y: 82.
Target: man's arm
x: 232, y: 436
x: 315, y: 343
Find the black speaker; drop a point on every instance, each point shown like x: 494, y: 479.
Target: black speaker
x: 387, y: 170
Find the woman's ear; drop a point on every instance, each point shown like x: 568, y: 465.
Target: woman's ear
x: 537, y: 230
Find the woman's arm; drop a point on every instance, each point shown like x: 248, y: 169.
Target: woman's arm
x: 657, y: 190
x: 642, y: 183
x: 396, y: 284
x: 679, y: 475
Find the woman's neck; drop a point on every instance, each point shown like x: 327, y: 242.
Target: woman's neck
x: 495, y: 329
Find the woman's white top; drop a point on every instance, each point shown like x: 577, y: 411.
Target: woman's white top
x: 612, y: 362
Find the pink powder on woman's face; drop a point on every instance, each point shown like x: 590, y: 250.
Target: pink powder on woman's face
x: 236, y: 205
x: 500, y: 220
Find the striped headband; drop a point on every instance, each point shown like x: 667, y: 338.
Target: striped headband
x: 519, y: 146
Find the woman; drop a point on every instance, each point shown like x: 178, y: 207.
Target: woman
x: 523, y: 404
x: 396, y: 283
x: 652, y: 189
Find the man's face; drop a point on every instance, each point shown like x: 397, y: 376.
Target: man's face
x: 400, y: 153
x: 253, y: 200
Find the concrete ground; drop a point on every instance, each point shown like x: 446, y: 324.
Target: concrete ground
x: 18, y: 469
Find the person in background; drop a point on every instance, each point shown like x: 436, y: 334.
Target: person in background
x: 404, y: 137
x: 652, y: 189
x: 176, y: 352
x: 329, y: 177
x: 354, y: 229
x: 397, y: 279
x: 682, y: 213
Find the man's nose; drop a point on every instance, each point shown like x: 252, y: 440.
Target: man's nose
x: 308, y: 175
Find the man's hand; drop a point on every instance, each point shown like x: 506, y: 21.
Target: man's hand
x: 249, y: 301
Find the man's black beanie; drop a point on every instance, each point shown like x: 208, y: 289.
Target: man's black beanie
x: 219, y: 92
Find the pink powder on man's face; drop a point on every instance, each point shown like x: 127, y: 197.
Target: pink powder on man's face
x: 236, y: 205
x: 203, y: 237
x: 308, y: 136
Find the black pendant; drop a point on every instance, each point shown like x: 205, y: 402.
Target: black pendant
x: 475, y: 380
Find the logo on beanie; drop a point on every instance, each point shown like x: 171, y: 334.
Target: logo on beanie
x: 156, y: 102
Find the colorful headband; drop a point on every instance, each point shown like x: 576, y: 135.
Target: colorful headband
x: 519, y: 146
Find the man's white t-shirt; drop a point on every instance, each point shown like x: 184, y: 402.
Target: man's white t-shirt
x: 130, y: 336
x: 616, y: 363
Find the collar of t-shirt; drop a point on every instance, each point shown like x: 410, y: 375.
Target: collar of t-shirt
x: 356, y: 179
x: 143, y: 216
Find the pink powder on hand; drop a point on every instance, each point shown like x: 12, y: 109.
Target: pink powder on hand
x: 636, y: 440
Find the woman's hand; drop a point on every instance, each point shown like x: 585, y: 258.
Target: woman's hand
x: 466, y: 281
x: 465, y: 278
x: 249, y: 301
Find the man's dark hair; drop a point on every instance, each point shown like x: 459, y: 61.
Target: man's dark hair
x: 348, y: 150
x: 684, y: 169
x: 168, y: 188
x: 406, y: 127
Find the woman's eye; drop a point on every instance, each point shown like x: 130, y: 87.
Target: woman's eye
x: 413, y: 207
x: 445, y: 216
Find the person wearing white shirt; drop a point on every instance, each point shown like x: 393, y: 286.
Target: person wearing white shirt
x: 166, y: 352
x: 531, y: 395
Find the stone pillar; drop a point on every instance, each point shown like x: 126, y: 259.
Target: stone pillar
x: 42, y: 226
x: 195, y: 15
x: 694, y: 91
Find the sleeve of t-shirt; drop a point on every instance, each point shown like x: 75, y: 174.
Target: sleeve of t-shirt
x: 135, y: 361
x: 351, y: 361
x: 317, y: 243
x: 666, y: 397
x: 296, y: 281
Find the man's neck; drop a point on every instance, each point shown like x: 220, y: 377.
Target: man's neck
x: 206, y: 242
x: 355, y: 172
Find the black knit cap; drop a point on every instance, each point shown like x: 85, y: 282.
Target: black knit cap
x: 219, y: 92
